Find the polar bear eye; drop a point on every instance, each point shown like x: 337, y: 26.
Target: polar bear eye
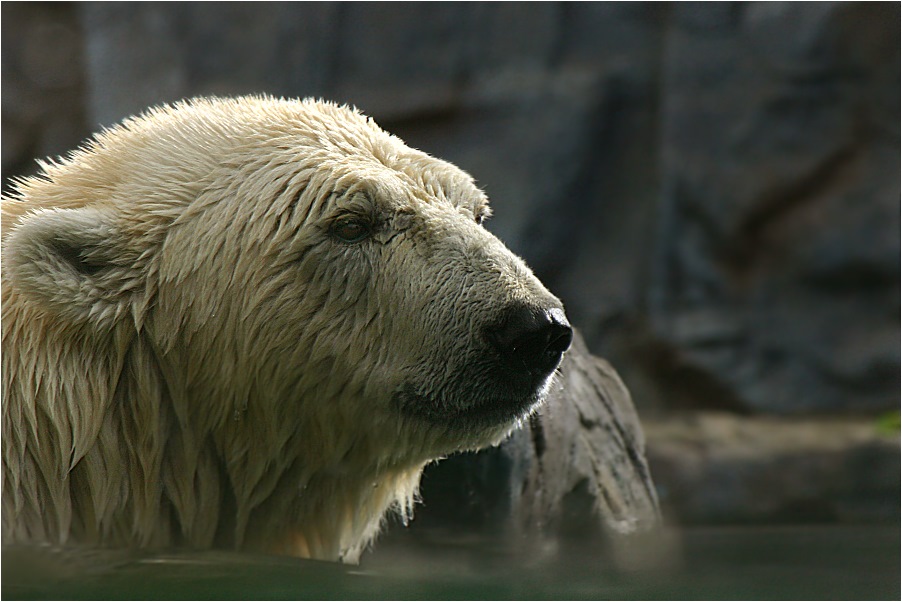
x: 351, y: 230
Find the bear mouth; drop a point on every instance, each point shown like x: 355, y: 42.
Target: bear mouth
x: 476, y: 405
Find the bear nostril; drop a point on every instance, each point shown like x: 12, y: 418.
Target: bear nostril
x: 561, y: 338
x: 531, y: 339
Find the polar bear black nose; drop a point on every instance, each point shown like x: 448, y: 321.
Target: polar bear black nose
x: 531, y: 339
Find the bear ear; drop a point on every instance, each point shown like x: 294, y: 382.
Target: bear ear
x: 68, y: 262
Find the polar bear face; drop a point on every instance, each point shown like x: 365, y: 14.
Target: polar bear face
x: 342, y: 266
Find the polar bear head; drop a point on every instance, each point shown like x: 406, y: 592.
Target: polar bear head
x: 270, y: 314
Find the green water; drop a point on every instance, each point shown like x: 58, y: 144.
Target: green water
x: 808, y: 562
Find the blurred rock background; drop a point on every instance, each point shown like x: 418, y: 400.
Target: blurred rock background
x: 713, y: 189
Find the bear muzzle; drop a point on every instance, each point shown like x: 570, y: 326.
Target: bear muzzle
x: 505, y: 380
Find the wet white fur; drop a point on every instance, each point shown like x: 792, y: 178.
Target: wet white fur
x: 220, y: 371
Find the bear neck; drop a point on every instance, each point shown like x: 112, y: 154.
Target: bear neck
x: 125, y: 433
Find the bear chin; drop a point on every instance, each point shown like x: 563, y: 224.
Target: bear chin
x: 476, y: 406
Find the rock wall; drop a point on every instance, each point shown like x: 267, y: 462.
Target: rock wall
x: 43, y: 76
x: 712, y: 188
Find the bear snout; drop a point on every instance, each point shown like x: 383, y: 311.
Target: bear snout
x: 505, y: 378
x: 531, y: 340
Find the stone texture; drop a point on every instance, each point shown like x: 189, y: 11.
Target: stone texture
x: 717, y: 468
x: 577, y: 467
x: 777, y: 273
x: 43, y: 106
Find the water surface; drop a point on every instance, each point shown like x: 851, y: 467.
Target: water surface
x: 810, y: 562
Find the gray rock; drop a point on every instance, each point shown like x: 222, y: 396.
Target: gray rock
x: 577, y: 468
x: 720, y: 468
x: 43, y: 85
x: 776, y: 269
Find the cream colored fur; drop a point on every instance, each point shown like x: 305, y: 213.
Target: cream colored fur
x: 190, y: 358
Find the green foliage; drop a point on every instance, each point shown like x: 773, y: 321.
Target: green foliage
x: 889, y: 423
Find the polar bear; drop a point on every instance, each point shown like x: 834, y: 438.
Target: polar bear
x: 249, y: 324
